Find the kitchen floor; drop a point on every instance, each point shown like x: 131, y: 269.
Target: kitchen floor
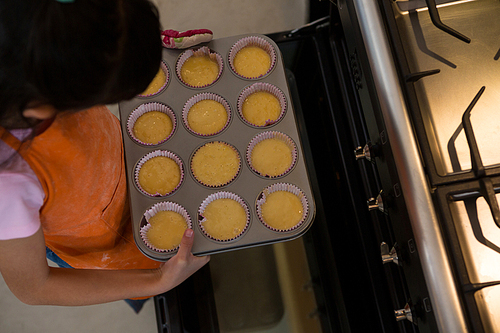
x: 225, y: 18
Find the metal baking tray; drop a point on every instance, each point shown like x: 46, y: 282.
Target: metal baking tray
x: 247, y: 185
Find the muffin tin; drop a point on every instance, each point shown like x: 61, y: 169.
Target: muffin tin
x: 248, y: 184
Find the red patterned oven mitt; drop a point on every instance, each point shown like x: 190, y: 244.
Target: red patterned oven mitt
x: 173, y: 39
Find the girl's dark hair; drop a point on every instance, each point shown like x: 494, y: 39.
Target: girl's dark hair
x: 74, y: 55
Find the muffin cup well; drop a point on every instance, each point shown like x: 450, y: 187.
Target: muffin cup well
x: 282, y: 187
x: 164, y: 67
x: 202, y: 51
x: 198, y: 98
x: 266, y: 87
x: 222, y: 195
x: 220, y: 185
x: 252, y: 41
x: 151, y: 155
x: 271, y: 135
x: 148, y: 107
x: 163, y: 206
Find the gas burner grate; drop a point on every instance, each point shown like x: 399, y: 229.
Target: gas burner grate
x: 486, y: 185
x: 414, y: 77
x: 436, y: 20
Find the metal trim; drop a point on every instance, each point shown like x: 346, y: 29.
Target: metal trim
x: 435, y: 263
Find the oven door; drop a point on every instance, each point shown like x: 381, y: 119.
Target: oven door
x: 331, y: 279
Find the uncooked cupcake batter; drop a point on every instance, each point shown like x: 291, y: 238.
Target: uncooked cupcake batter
x: 167, y: 228
x: 159, y: 175
x: 215, y: 164
x: 271, y: 157
x: 225, y: 219
x: 261, y: 107
x: 282, y: 210
x: 153, y: 127
x: 155, y: 85
x: 199, y: 71
x: 252, y: 61
x: 207, y: 117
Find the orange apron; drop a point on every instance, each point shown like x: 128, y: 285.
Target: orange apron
x: 85, y: 216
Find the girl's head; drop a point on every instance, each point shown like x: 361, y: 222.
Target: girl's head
x: 74, y: 55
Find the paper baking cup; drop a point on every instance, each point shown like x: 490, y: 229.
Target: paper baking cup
x: 271, y: 135
x: 220, y: 185
x: 222, y: 195
x: 198, y: 52
x: 163, y: 206
x: 267, y: 87
x: 149, y: 156
x: 282, y: 187
x: 200, y: 97
x: 164, y: 67
x: 148, y: 107
x: 252, y: 41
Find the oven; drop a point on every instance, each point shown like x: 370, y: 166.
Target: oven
x: 396, y: 105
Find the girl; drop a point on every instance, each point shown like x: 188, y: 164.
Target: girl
x: 62, y: 179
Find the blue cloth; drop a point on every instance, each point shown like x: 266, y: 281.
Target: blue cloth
x: 55, y: 258
x: 136, y: 305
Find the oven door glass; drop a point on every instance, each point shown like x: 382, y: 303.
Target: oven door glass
x: 264, y: 289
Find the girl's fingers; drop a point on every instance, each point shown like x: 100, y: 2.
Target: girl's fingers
x: 186, y: 244
x: 184, y: 252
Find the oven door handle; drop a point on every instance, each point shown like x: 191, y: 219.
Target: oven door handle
x: 432, y: 252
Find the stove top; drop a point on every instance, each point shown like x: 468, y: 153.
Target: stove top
x: 455, y: 80
x: 459, y: 70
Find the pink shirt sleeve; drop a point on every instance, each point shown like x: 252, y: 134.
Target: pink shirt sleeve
x: 21, y: 197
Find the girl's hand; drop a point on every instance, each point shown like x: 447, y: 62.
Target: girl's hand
x: 182, y: 265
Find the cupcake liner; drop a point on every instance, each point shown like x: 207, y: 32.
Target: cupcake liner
x: 200, y: 97
x: 267, y: 87
x: 148, y: 107
x: 164, y: 67
x: 149, y: 156
x: 204, y: 50
x: 222, y: 195
x: 163, y: 206
x: 282, y: 187
x: 252, y: 41
x: 271, y: 135
x: 221, y: 185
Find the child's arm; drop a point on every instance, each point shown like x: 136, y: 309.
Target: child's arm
x: 25, y: 270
